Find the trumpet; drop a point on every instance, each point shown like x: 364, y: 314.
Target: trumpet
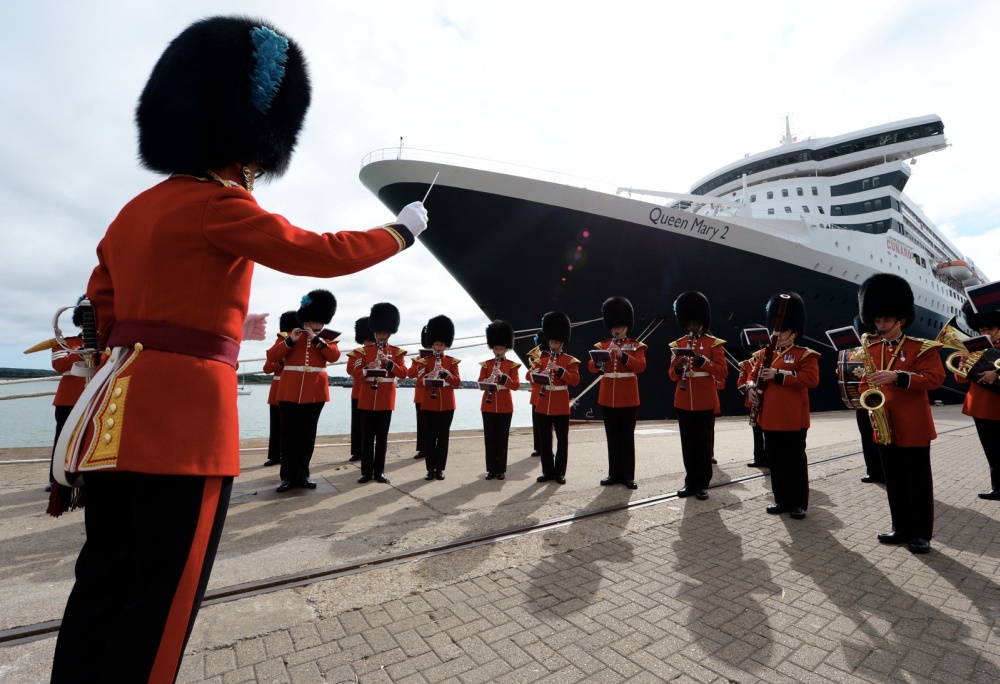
x: 873, y: 399
x: 963, y: 363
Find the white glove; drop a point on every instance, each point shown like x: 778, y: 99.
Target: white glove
x: 414, y: 217
x: 255, y: 326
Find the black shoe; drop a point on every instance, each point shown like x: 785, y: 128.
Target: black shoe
x: 684, y: 492
x: 48, y: 487
x: 870, y: 478
x: 439, y: 475
x: 418, y: 455
x: 501, y: 476
x: 918, y: 545
x: 701, y: 495
x: 271, y: 462
x: 775, y: 509
x: 992, y: 495
x: 284, y: 486
x: 542, y: 478
x: 536, y: 454
x: 353, y: 459
x: 756, y: 464
x: 798, y: 514
x: 609, y: 481
x: 306, y: 484
x: 382, y: 478
x: 363, y: 479
x: 430, y: 475
x: 560, y: 479
x: 714, y: 462
x: 491, y: 476
x: 630, y: 484
x: 893, y: 537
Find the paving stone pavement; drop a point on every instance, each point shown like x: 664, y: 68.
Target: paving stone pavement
x: 679, y: 591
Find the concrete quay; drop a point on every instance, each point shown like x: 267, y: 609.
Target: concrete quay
x: 680, y: 591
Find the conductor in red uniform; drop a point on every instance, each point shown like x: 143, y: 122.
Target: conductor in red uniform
x: 497, y: 406
x: 619, y: 391
x: 561, y: 371
x: 223, y: 105
x: 784, y: 413
x: 286, y: 324
x: 304, y: 388
x: 982, y: 403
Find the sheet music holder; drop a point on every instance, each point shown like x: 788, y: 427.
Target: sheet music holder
x: 539, y: 378
x: 682, y: 351
x: 376, y: 373
x: 979, y: 343
x: 433, y: 382
x: 844, y: 338
x: 424, y: 353
x: 488, y: 386
x: 757, y: 337
x: 600, y: 356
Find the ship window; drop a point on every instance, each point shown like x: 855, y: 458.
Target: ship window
x: 770, y: 194
x: 881, y: 226
x: 876, y: 182
x: 788, y: 210
x: 869, y: 228
x: 878, y: 204
x: 784, y: 192
x: 815, y: 191
x: 805, y: 208
x: 771, y: 210
x: 753, y: 198
x: 821, y: 210
x: 865, y: 184
x: 798, y: 191
x: 868, y: 206
x: 836, y: 210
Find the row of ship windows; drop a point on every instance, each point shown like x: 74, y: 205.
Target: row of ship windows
x: 788, y: 210
x: 784, y: 193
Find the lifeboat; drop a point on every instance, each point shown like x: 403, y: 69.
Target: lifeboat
x: 957, y: 270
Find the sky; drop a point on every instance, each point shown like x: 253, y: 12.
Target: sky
x: 640, y: 94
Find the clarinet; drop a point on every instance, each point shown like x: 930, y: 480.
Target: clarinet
x: 436, y: 370
x: 687, y: 364
x: 380, y: 346
x: 494, y: 376
x: 548, y: 371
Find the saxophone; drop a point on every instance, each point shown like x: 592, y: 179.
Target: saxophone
x: 873, y: 399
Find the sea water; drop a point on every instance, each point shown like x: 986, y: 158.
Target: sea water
x: 30, y: 422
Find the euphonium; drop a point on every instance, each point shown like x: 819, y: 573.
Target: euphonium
x: 873, y: 399
x: 964, y: 363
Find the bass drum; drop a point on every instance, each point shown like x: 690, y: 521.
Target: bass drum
x: 850, y: 370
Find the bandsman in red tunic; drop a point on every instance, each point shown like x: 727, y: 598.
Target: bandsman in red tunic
x: 697, y: 364
x: 287, y: 323
x: 437, y: 407
x: 416, y: 373
x: 497, y: 406
x: 224, y: 104
x: 784, y: 415
x: 355, y: 362
x: 536, y: 431
x: 982, y: 403
x: 759, y: 455
x: 618, y: 394
x: 382, y: 365
x: 304, y: 388
x: 906, y: 369
x: 555, y: 372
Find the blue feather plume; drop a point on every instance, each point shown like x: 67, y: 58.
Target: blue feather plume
x: 270, y: 55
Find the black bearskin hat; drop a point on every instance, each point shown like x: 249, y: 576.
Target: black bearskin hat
x: 617, y: 311
x: 361, y: 330
x: 886, y: 294
x: 318, y: 305
x: 384, y: 317
x: 288, y: 322
x: 227, y: 90
x: 973, y: 321
x: 556, y: 326
x: 795, y: 313
x: 440, y: 329
x: 692, y: 306
x: 78, y: 312
x: 500, y: 334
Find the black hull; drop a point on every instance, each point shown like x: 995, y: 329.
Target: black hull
x: 518, y: 259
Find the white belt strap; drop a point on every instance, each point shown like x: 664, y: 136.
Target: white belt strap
x: 305, y: 369
x: 549, y: 388
x: 698, y: 374
x: 616, y: 376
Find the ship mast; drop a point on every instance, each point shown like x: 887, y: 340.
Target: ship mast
x: 787, y: 139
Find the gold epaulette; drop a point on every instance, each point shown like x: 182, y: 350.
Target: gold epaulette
x: 673, y: 344
x: 809, y: 351
x: 283, y: 335
x: 597, y: 345
x: 514, y: 365
x: 926, y: 344
x: 718, y: 342
x: 573, y: 359
x: 455, y: 361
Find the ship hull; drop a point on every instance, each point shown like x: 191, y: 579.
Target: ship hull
x: 518, y: 258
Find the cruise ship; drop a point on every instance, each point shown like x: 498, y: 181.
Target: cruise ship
x: 815, y: 216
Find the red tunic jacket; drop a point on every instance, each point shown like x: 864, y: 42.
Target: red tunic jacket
x: 501, y: 401
x: 619, y: 384
x: 741, y: 382
x: 979, y: 402
x: 274, y: 367
x: 303, y: 377
x: 701, y: 392
x: 555, y: 402
x: 182, y: 253
x: 786, y: 398
x: 444, y: 399
x: 70, y: 386
x: 355, y: 361
x: 384, y: 397
x: 416, y: 372
x: 907, y: 404
x: 533, y: 357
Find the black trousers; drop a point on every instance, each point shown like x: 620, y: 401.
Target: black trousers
x: 420, y: 429
x: 355, y: 429
x: 619, y: 429
x: 437, y: 430
x: 298, y: 437
x: 274, y: 433
x: 910, y: 489
x: 697, y: 444
x: 759, y: 452
x: 62, y: 413
x: 374, y: 441
x: 536, y: 432
x: 554, y: 464
x: 141, y: 575
x: 869, y: 447
x: 786, y: 452
x: 989, y: 437
x: 496, y: 435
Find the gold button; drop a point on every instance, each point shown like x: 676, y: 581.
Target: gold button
x: 117, y: 393
x: 112, y: 408
x: 138, y: 346
x: 107, y: 438
x: 109, y: 423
